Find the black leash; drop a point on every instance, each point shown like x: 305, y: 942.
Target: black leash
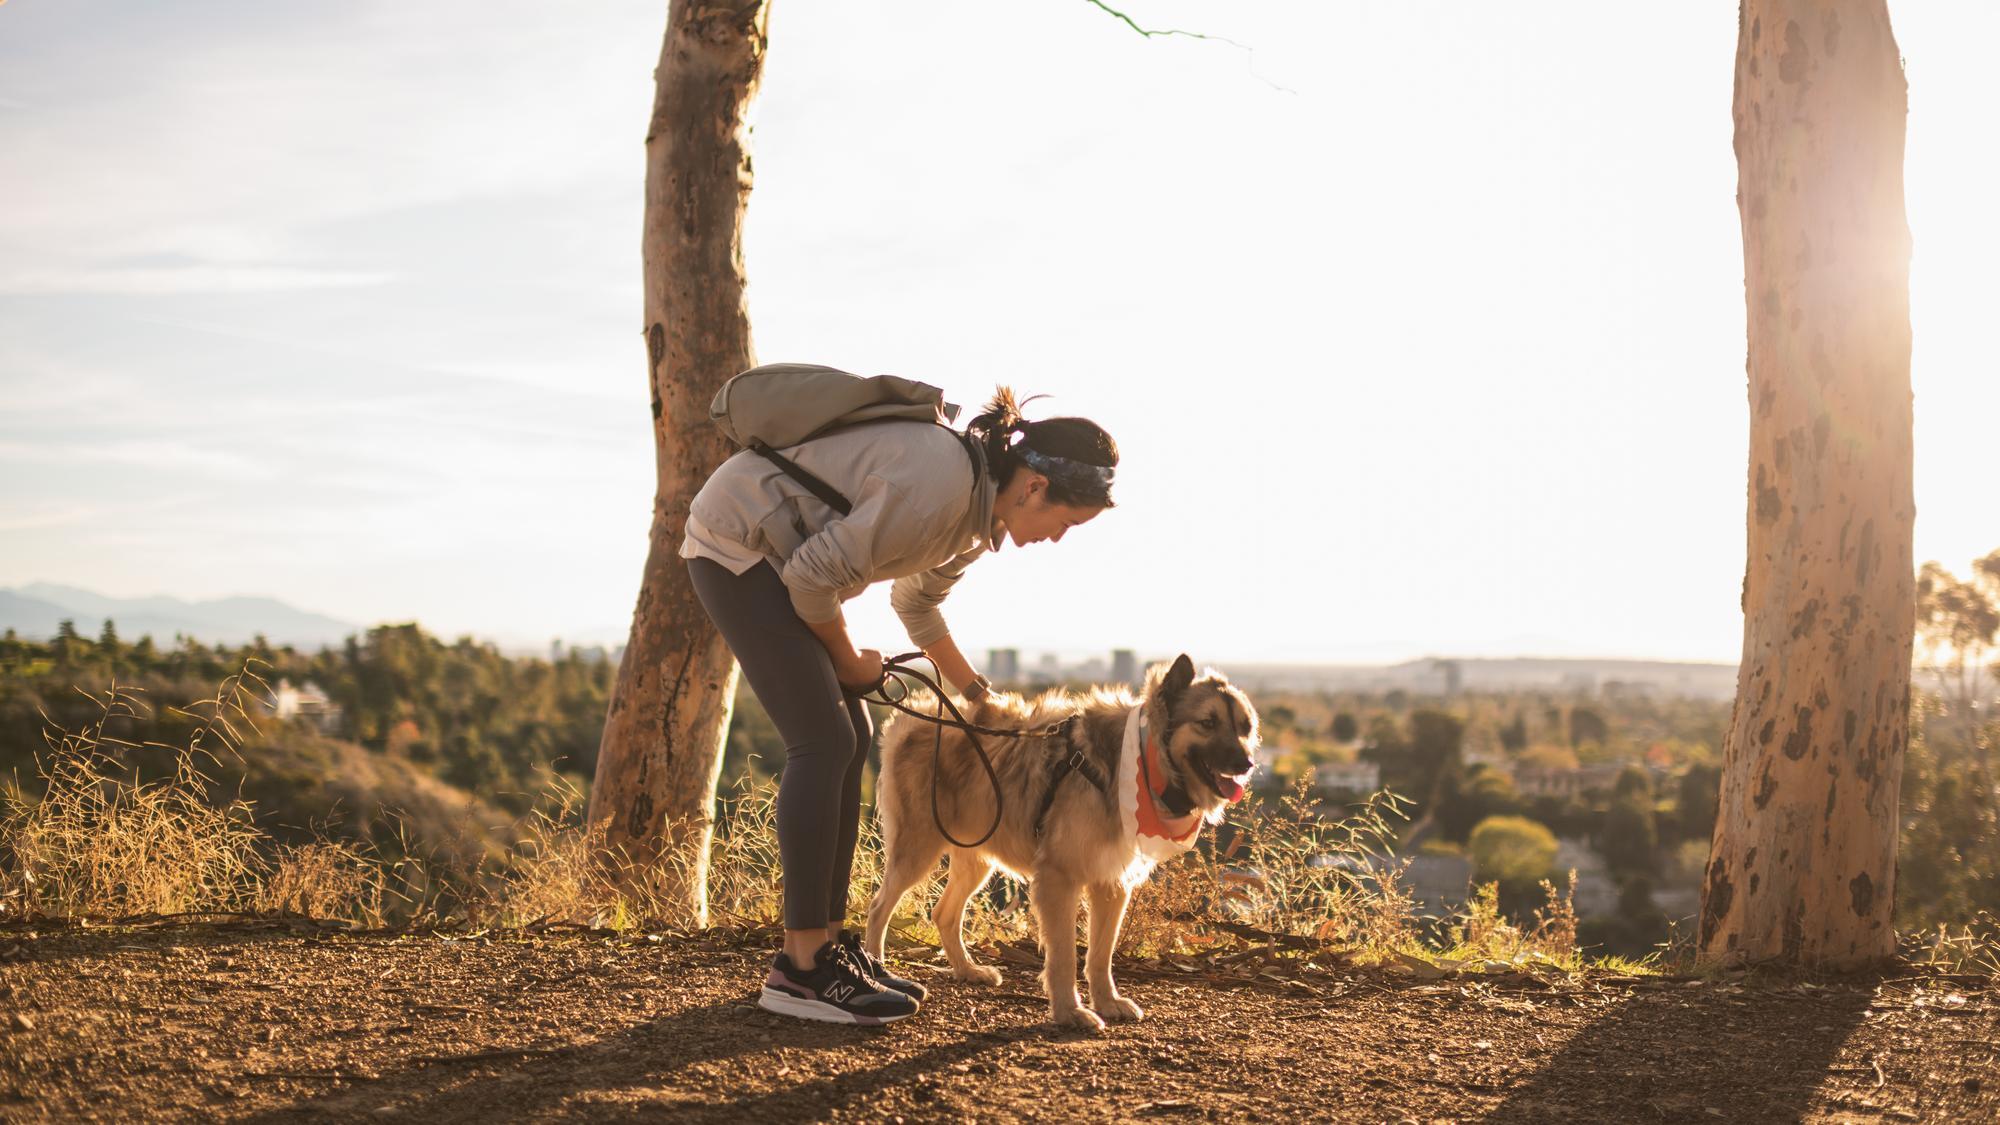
x: 896, y: 669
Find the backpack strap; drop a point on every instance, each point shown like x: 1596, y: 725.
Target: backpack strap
x: 828, y: 494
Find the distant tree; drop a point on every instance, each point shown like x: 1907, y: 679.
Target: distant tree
x: 1631, y: 838
x: 1587, y: 726
x: 1467, y: 800
x: 1513, y: 851
x: 1280, y: 717
x: 1803, y: 865
x: 1514, y: 736
x: 1957, y: 622
x: 1634, y: 782
x: 1565, y: 816
x: 1345, y: 728
x: 1948, y: 866
x: 1698, y: 792
x: 1436, y: 738
x: 69, y: 645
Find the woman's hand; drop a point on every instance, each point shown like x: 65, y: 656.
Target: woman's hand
x: 860, y: 672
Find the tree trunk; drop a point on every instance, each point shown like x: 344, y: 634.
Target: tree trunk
x: 669, y: 712
x: 1803, y: 867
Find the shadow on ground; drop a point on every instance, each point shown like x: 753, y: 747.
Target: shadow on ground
x: 1666, y: 1055
x: 654, y: 1068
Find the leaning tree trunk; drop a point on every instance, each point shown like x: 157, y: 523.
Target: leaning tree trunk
x: 1803, y: 867
x: 669, y: 713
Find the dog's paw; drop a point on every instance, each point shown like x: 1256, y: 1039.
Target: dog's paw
x: 976, y: 974
x: 1077, y: 1017
x: 1119, y: 1008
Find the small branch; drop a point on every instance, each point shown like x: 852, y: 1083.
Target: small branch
x: 1250, y: 60
x: 1150, y: 32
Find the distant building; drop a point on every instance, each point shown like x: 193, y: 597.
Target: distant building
x: 1596, y: 891
x: 1048, y: 669
x: 1089, y: 672
x: 1003, y: 665
x: 1124, y: 666
x: 1355, y: 779
x: 306, y: 702
x: 1566, y: 784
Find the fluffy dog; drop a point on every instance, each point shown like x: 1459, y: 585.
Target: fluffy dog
x: 1198, y: 738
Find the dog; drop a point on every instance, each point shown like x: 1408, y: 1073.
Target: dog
x: 1199, y: 735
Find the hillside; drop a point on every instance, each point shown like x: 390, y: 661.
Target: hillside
x: 39, y: 608
x: 272, y: 1022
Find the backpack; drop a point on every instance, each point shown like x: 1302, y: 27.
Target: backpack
x: 784, y: 404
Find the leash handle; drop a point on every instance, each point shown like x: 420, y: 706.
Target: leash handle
x: 898, y: 666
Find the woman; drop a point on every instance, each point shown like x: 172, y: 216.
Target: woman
x: 771, y: 565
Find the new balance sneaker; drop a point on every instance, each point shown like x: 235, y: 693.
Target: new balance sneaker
x: 851, y: 942
x: 836, y: 989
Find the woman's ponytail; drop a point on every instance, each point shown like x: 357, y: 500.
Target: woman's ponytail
x: 996, y: 426
x: 1075, y: 454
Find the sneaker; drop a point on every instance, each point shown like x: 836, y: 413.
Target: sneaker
x: 835, y: 989
x: 851, y: 942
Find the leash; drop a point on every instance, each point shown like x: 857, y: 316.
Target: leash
x: 898, y: 670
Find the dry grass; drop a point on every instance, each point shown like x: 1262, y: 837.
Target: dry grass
x: 1973, y: 948
x: 1287, y: 870
x: 103, y: 841
x: 565, y: 872
x: 1481, y: 933
x: 323, y: 880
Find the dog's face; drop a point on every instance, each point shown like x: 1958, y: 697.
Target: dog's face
x: 1207, y: 729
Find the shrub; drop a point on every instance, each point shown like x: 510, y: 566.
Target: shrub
x: 1511, y: 849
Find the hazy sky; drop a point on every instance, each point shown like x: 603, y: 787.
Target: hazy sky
x: 1421, y: 328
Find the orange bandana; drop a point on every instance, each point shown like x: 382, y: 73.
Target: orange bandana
x: 1142, y: 777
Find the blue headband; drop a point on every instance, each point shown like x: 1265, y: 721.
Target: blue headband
x: 1079, y: 477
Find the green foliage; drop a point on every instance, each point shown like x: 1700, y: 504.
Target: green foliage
x: 1948, y: 861
x: 1465, y: 801
x: 1345, y: 727
x: 1700, y: 790
x: 492, y: 724
x: 1511, y: 849
x: 1631, y: 837
x: 1587, y: 726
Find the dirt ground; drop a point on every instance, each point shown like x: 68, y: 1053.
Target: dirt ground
x: 265, y: 1022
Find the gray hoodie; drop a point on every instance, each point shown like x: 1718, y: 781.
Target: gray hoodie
x: 921, y: 514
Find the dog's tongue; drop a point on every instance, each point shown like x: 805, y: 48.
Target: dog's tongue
x: 1228, y: 786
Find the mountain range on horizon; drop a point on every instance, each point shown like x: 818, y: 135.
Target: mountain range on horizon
x: 38, y: 609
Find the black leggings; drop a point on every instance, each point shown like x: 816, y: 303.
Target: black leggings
x: 826, y: 732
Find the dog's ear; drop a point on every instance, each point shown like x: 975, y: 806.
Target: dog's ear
x: 1177, y: 678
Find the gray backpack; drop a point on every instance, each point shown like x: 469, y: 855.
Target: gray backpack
x: 783, y: 404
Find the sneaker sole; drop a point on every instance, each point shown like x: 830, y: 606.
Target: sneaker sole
x: 786, y: 1004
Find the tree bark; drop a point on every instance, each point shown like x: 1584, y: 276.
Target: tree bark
x: 1803, y: 865
x: 654, y: 792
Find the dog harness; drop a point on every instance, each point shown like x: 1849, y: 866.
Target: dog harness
x: 1157, y: 817
x: 1075, y: 760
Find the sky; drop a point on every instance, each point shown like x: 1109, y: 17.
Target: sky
x: 1419, y: 325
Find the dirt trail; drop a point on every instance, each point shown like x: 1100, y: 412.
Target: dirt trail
x: 261, y: 1023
